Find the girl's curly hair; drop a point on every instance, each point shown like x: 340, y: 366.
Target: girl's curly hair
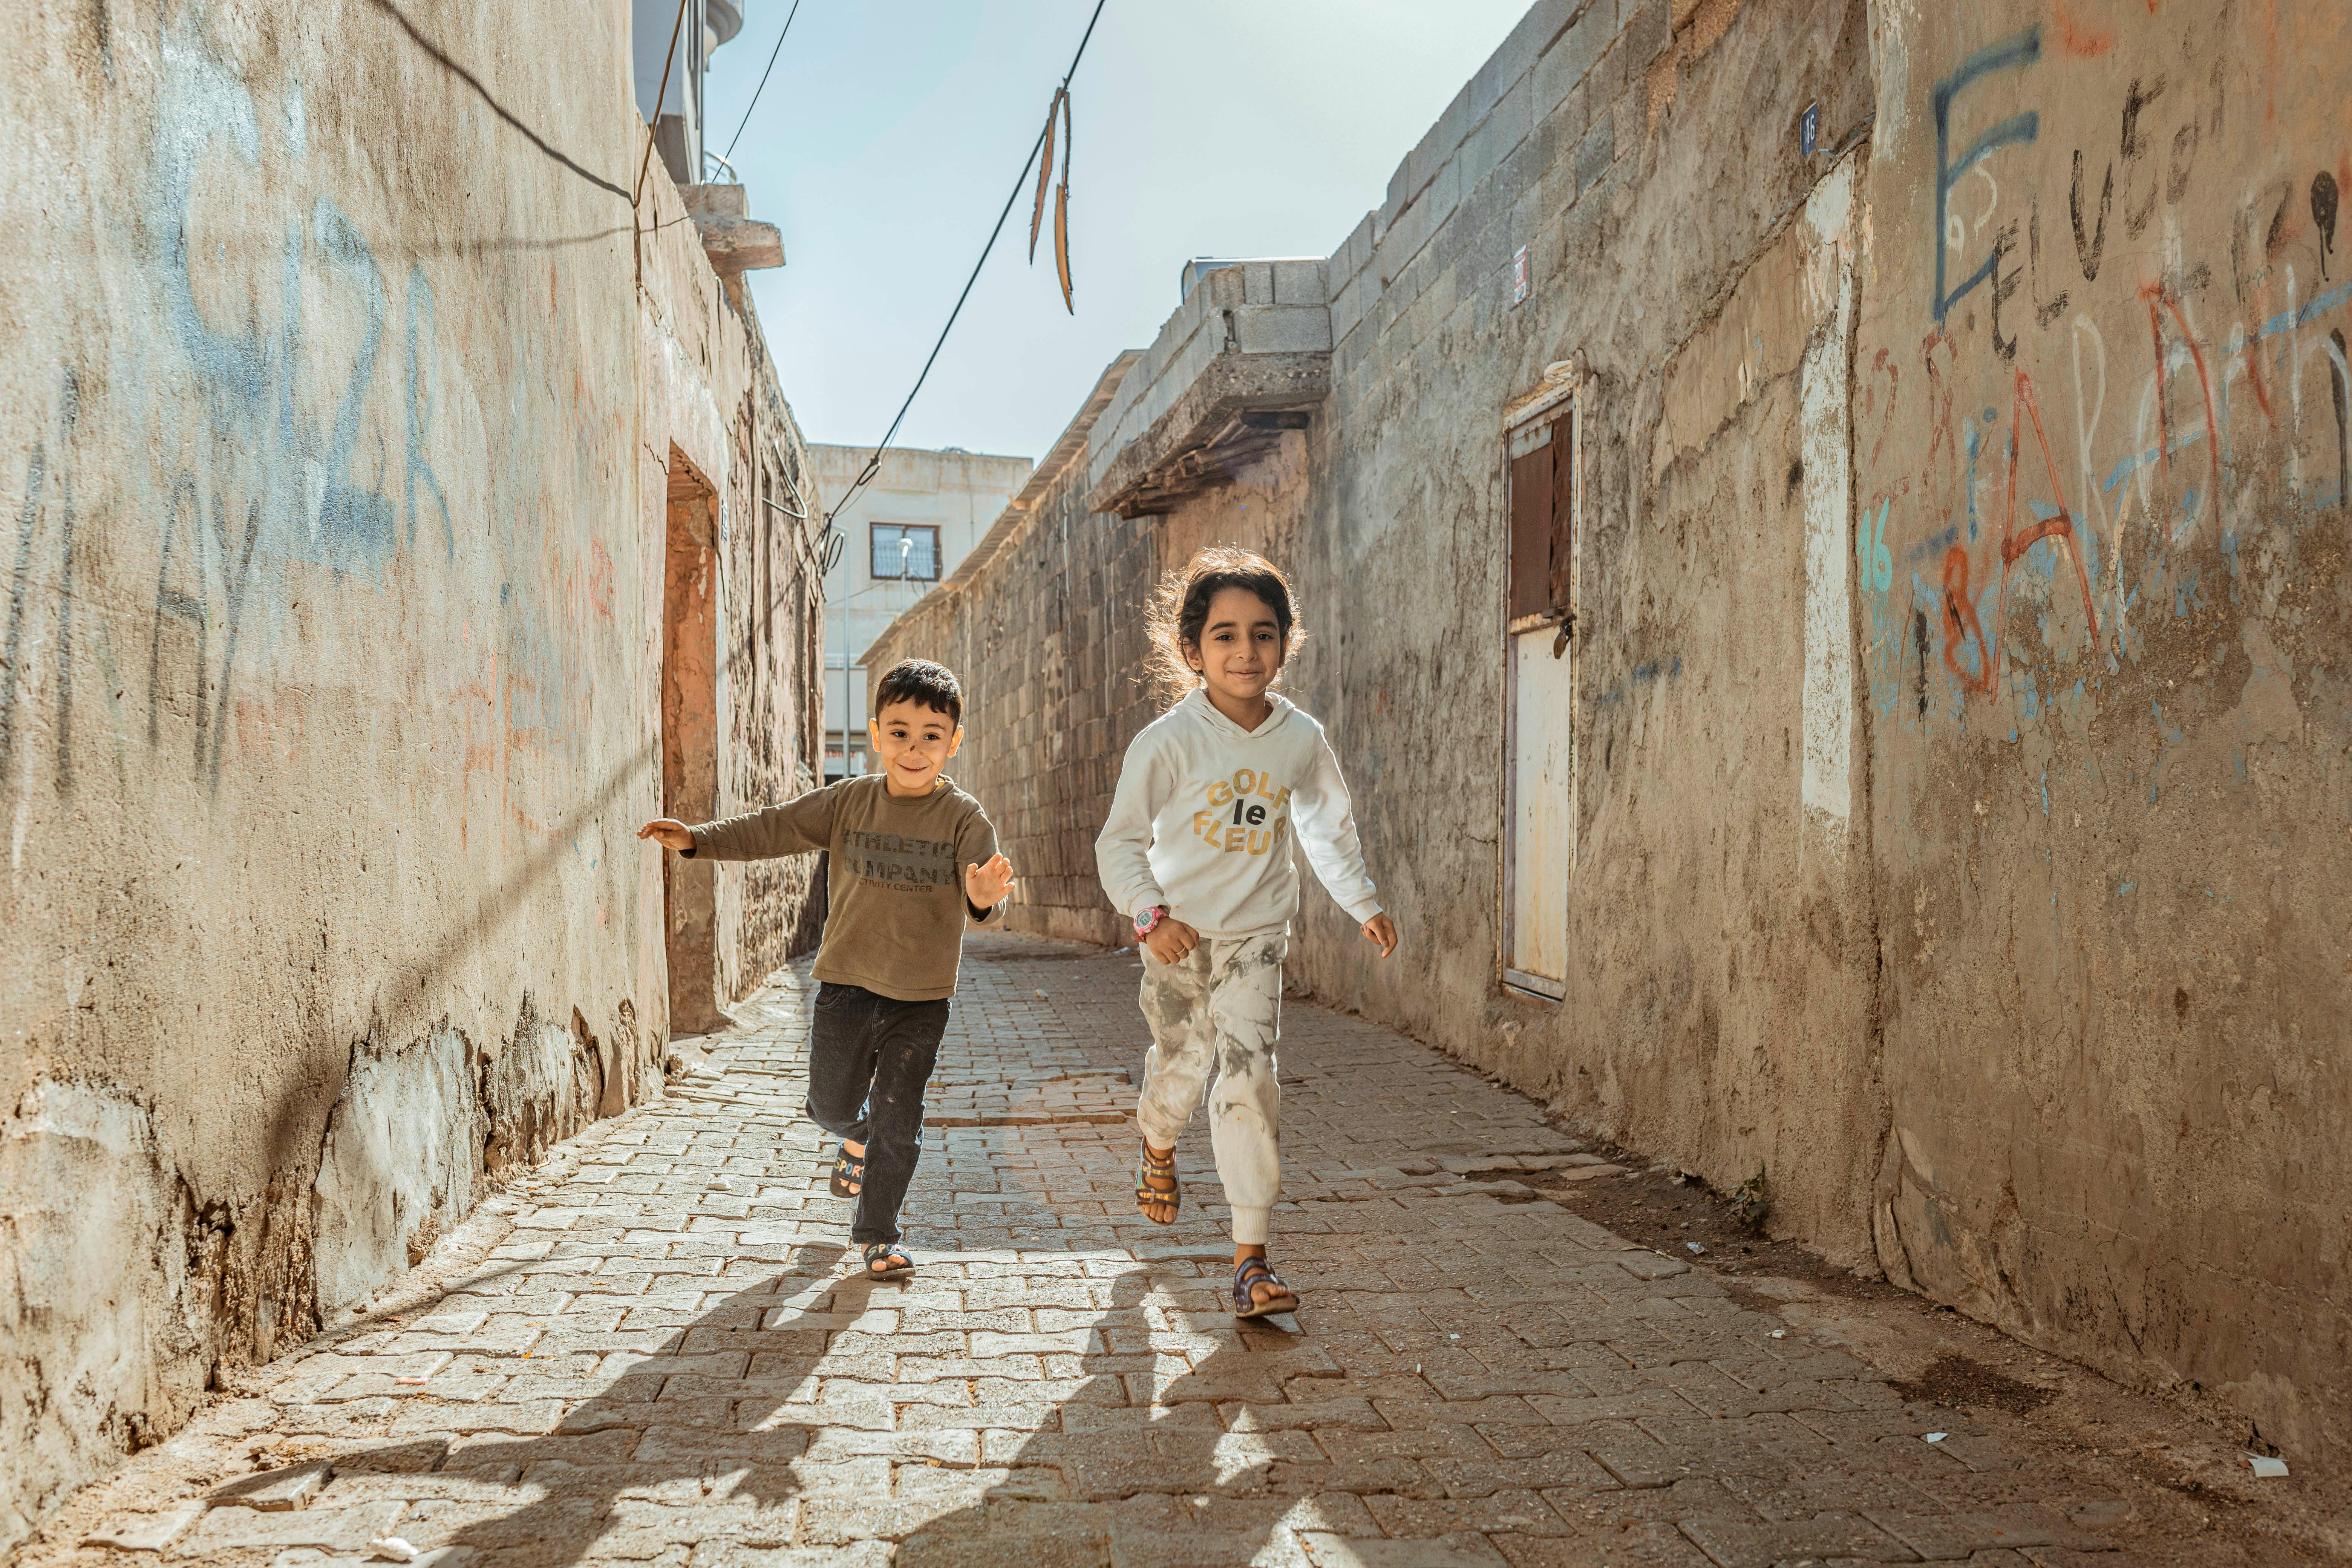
x: 1179, y: 611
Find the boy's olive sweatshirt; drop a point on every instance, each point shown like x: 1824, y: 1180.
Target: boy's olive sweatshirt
x: 897, y: 909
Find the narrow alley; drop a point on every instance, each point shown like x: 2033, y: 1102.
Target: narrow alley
x: 647, y: 1351
x: 1743, y: 602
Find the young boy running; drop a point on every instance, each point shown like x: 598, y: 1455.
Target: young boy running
x: 914, y: 861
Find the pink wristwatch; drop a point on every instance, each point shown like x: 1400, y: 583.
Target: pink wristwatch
x: 1148, y: 920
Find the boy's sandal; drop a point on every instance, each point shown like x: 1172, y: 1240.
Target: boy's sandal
x: 1147, y: 1196
x: 897, y: 1265
x: 1251, y: 1272
x: 847, y: 1168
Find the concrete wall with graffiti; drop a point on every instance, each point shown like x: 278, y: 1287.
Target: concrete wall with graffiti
x: 1962, y: 816
x: 2100, y: 460
x: 342, y: 390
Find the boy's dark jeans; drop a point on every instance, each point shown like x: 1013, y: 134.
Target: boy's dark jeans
x: 869, y: 1058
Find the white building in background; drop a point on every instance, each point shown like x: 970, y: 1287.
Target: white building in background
x: 907, y: 529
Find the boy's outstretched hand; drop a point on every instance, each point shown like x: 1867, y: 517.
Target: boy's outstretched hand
x: 1382, y: 931
x: 989, y: 884
x: 669, y: 833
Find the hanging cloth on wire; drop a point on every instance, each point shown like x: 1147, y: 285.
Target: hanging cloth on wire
x: 1061, y: 107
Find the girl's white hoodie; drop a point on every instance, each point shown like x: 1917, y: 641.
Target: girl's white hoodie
x: 1204, y: 814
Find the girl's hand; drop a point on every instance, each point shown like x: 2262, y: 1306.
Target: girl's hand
x: 1171, y: 939
x: 1381, y: 933
x: 988, y: 886
x: 668, y: 833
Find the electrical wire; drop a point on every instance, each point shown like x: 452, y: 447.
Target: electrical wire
x: 1021, y: 181
x: 764, y: 82
x: 800, y: 516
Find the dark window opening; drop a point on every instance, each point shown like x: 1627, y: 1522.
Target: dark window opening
x: 905, y: 552
x: 1542, y: 513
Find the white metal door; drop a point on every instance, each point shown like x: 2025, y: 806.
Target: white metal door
x: 1542, y: 823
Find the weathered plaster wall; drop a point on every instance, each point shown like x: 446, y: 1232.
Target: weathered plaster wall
x: 773, y: 747
x: 341, y: 389
x: 2100, y: 398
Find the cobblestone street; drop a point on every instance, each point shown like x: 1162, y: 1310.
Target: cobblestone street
x: 654, y: 1351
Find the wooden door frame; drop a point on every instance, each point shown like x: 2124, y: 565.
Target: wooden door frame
x: 1558, y: 402
x: 692, y: 729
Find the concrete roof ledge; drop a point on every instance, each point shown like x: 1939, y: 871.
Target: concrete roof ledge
x: 1245, y: 358
x: 735, y: 241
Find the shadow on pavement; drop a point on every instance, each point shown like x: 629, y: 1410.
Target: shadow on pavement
x: 683, y: 1450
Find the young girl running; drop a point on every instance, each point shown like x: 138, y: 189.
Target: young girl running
x: 1198, y: 850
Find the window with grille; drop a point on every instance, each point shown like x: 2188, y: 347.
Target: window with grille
x: 906, y: 551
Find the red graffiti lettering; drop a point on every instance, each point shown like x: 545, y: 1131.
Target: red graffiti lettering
x: 1884, y: 361
x: 1941, y: 437
x: 1960, y: 624
x: 2154, y: 295
x: 2253, y: 357
x: 2015, y: 543
x: 2078, y: 38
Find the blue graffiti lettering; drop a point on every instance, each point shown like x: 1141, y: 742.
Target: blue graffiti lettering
x: 2012, y: 53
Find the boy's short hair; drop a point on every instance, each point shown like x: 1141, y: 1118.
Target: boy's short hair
x: 918, y: 681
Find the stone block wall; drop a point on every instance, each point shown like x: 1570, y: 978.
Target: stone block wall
x: 346, y: 381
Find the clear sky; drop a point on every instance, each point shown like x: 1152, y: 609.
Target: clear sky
x: 886, y: 141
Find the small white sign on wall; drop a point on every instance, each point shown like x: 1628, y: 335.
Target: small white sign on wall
x: 1519, y: 275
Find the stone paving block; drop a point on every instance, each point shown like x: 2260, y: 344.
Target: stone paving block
x: 1801, y: 1496
x: 1553, y: 1551
x: 831, y: 1445
x: 1322, y: 1416
x: 352, y: 1418
x: 425, y: 1417
x: 1070, y: 1341
x: 272, y: 1491
x: 1462, y: 1550
x: 1516, y: 1512
x: 231, y: 1529
x: 1831, y: 1536
x: 145, y: 1531
x: 1651, y: 1545
x: 742, y: 1555
x: 1200, y: 1417
x: 1075, y: 1547
x: 1953, y: 1535
x: 1632, y: 1454
x: 1202, y: 1549
x: 862, y: 1406
x: 1600, y: 1513
x: 1498, y: 1409
x: 1561, y: 1468
x: 1000, y: 1414
x: 634, y: 1524
x: 695, y: 1445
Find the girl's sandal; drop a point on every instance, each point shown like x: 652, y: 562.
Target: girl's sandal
x: 1149, y: 1197
x: 897, y: 1264
x: 1254, y: 1271
x: 848, y: 1173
